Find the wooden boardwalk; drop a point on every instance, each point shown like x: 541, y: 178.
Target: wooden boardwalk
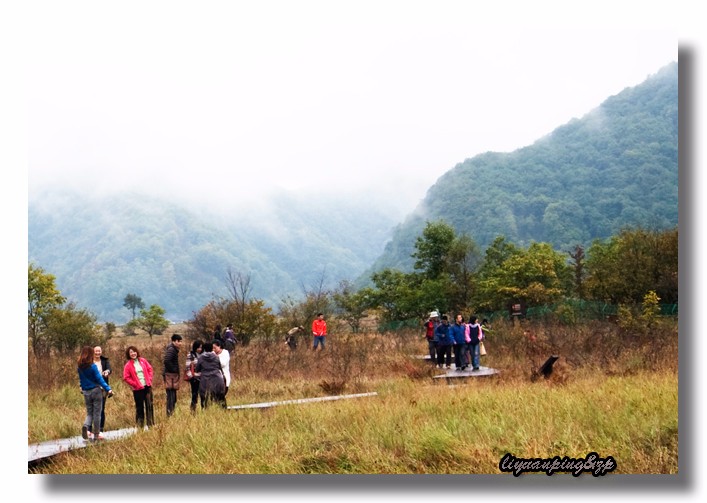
x: 52, y: 447
x: 301, y: 400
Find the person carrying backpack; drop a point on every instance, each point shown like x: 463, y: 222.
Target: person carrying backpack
x: 430, y: 326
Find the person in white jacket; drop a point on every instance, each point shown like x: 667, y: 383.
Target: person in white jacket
x: 225, y: 358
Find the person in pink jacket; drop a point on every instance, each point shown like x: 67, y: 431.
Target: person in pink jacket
x: 137, y: 374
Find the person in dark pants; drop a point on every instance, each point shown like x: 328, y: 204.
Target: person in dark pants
x: 171, y: 373
x: 430, y: 326
x: 319, y: 331
x: 444, y: 344
x: 92, y: 386
x: 476, y: 334
x: 192, y: 375
x: 137, y: 374
x: 212, y: 386
x: 103, y: 364
x: 458, y: 333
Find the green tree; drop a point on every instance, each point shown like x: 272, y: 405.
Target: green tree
x: 463, y: 261
x: 488, y: 296
x: 43, y: 297
x: 625, y: 267
x: 396, y: 294
x: 432, y: 249
x: 650, y: 309
x: 152, y: 320
x: 132, y: 302
x: 432, y: 294
x: 536, y: 276
x: 69, y: 328
x: 353, y: 305
x: 445, y: 268
x: 578, y: 268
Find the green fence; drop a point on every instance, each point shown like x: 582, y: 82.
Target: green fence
x: 578, y: 309
x: 582, y: 309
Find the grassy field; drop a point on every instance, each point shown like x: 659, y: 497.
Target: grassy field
x: 614, y: 399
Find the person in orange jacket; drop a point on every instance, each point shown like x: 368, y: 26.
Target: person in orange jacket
x: 319, y: 331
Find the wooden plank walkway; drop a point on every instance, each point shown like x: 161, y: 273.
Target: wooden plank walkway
x: 50, y: 448
x: 301, y: 400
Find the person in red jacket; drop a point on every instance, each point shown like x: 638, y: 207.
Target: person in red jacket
x: 137, y: 374
x: 319, y: 331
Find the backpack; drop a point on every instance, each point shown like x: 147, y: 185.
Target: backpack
x: 430, y: 327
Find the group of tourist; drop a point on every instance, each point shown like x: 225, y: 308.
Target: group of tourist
x: 462, y: 338
x: 207, y: 370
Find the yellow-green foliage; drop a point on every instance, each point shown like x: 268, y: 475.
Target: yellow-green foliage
x: 408, y: 428
x: 416, y: 424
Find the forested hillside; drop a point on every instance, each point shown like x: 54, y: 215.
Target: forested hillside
x: 102, y: 248
x: 614, y: 168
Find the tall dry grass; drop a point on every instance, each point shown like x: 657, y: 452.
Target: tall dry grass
x: 611, y: 392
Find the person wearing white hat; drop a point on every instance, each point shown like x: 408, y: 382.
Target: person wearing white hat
x: 431, y: 336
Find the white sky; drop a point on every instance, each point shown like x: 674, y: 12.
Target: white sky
x: 395, y: 93
x: 242, y: 97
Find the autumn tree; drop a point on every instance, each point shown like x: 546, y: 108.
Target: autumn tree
x: 624, y: 268
x: 536, y: 276
x: 487, y: 295
x: 43, y: 297
x: 152, y: 320
x: 51, y: 323
x: 253, y: 319
x: 70, y: 328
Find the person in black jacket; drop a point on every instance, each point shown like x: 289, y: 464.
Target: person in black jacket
x: 171, y: 373
x: 104, y: 369
x: 212, y: 384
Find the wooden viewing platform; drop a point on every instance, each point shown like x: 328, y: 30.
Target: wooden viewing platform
x: 454, y: 373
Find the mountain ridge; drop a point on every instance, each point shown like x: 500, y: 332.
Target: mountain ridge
x: 614, y: 167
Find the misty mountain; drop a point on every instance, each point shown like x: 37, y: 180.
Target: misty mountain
x: 100, y: 248
x: 615, y: 167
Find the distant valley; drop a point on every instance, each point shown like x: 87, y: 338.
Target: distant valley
x: 615, y: 167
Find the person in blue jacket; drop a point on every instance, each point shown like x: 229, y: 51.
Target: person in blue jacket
x: 458, y: 333
x: 444, y: 344
x: 92, y: 386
